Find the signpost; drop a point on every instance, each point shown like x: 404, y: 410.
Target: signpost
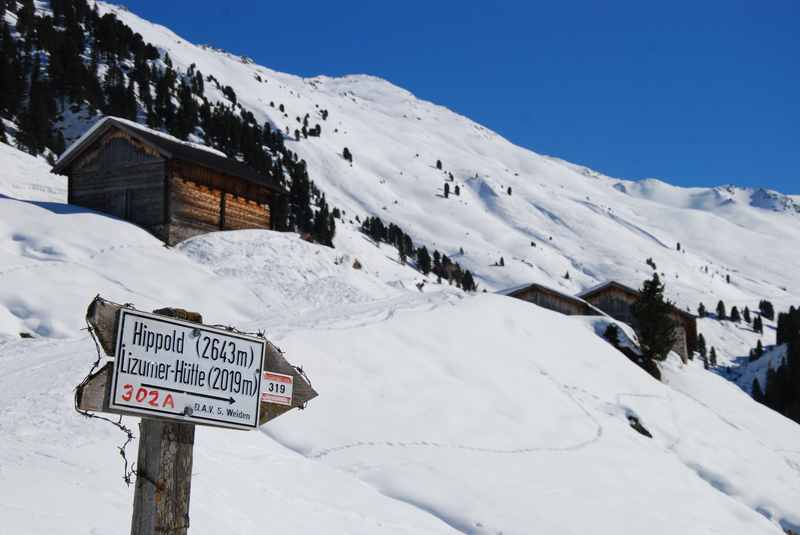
x: 170, y: 367
x: 176, y: 373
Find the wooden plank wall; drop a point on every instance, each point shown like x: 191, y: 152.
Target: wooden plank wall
x: 196, y: 208
x: 243, y: 213
x: 552, y: 301
x: 121, y: 177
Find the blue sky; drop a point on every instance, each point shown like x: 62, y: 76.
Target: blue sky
x: 695, y: 93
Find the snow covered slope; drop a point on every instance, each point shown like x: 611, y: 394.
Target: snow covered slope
x: 590, y: 225
x: 438, y: 412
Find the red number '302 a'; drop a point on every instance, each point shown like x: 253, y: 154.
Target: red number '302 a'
x: 147, y: 397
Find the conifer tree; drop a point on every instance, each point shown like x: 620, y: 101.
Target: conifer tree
x: 439, y: 164
x: 423, y: 260
x: 701, y: 345
x: 735, y: 316
x: 713, y: 356
x: 653, y: 317
x: 759, y: 349
x: 446, y: 190
x: 746, y: 314
x: 468, y: 282
x: 758, y: 395
x: 758, y: 325
x: 611, y: 334
x: 721, y: 313
x: 701, y: 311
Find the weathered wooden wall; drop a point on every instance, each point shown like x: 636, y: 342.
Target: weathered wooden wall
x: 553, y: 301
x: 121, y: 177
x: 198, y: 204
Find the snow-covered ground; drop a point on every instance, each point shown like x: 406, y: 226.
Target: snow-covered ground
x: 438, y: 412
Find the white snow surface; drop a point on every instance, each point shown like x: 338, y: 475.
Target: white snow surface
x: 438, y: 412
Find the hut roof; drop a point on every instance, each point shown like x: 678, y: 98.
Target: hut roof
x: 168, y: 146
x: 600, y: 288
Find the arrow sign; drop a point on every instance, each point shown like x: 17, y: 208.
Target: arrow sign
x: 95, y: 394
x: 179, y: 369
x: 229, y: 400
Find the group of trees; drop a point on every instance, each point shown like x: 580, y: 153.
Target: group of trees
x: 735, y: 316
x: 52, y: 65
x: 782, y: 389
x: 439, y: 264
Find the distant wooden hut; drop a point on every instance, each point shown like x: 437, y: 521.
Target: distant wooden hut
x: 551, y: 299
x: 173, y: 189
x: 616, y: 300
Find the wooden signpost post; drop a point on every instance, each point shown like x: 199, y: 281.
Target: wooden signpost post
x: 176, y: 373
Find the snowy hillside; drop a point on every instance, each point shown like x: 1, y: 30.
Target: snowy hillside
x: 438, y: 412
x: 558, y: 218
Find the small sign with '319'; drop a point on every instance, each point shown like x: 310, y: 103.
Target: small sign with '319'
x: 276, y: 388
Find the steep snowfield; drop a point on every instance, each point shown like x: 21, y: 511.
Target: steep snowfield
x: 438, y: 412
x: 592, y: 226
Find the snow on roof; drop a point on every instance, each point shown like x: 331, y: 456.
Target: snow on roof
x: 132, y: 124
x: 170, y: 147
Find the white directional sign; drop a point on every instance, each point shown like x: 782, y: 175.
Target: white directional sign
x: 177, y: 369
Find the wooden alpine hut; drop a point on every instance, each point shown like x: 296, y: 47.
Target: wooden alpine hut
x: 173, y: 189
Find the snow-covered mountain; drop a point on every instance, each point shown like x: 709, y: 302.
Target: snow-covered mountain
x: 559, y: 218
x: 439, y: 411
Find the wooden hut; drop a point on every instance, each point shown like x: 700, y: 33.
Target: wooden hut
x: 616, y: 300
x: 553, y: 300
x: 173, y: 189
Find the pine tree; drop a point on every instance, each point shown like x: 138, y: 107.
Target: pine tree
x: 746, y: 315
x: 758, y: 325
x: 758, y: 395
x: 653, y: 317
x: 468, y: 282
x: 457, y: 190
x: 735, y: 316
x: 35, y: 123
x: 611, y: 334
x: 423, y: 260
x: 701, y: 345
x: 502, y: 261
x: 759, y: 349
x: 701, y: 311
x: 713, y: 356
x: 439, y: 164
x: 509, y: 190
x: 346, y: 154
x: 721, y: 313
x: 767, y: 309
x: 446, y: 190
x: 10, y: 75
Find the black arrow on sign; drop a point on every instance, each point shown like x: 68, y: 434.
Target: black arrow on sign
x: 230, y: 400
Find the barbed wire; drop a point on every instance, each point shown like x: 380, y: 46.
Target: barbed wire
x: 129, y: 468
